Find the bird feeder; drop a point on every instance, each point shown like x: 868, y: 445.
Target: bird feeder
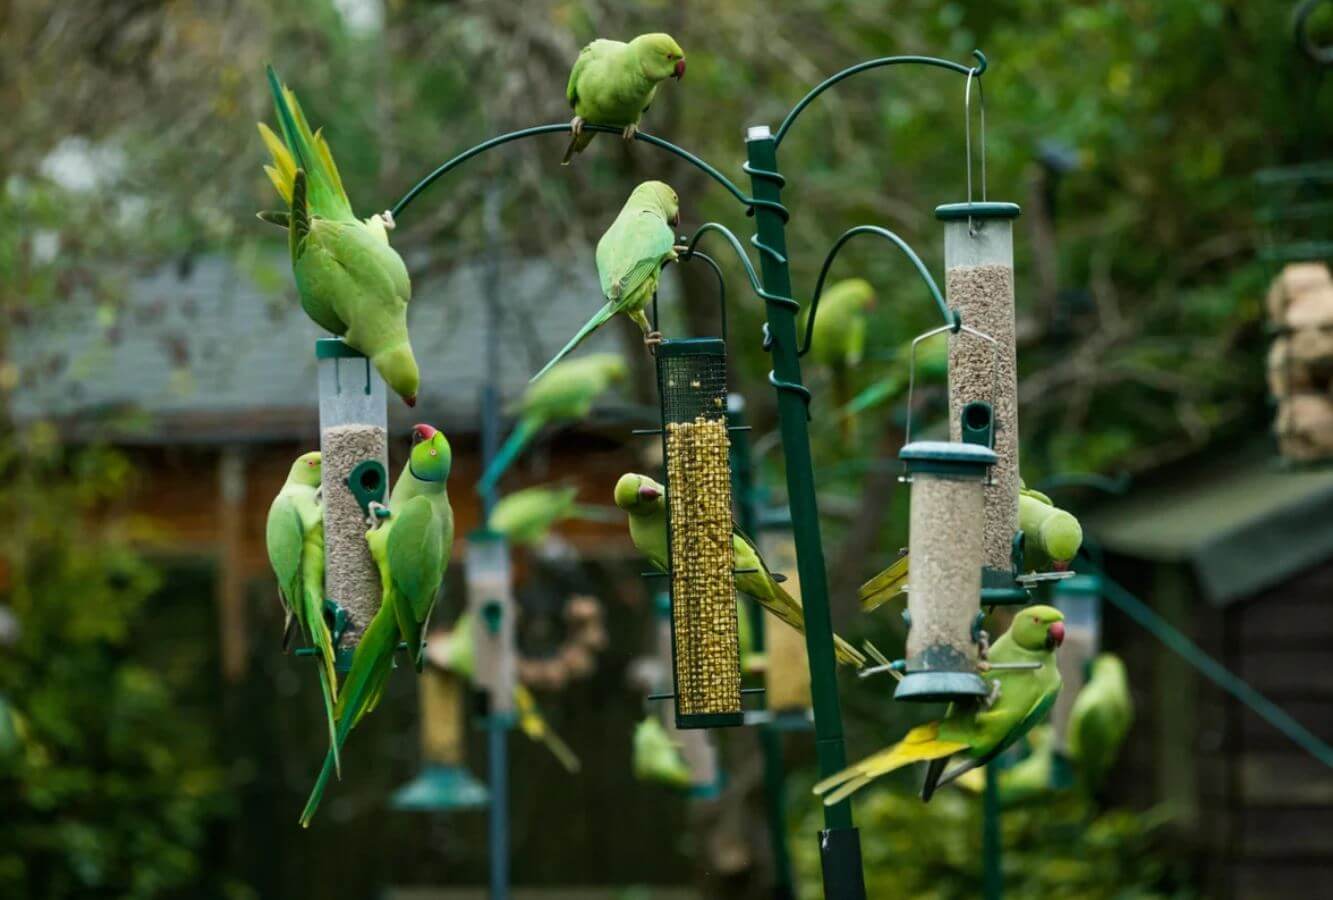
x: 946, y: 546
x: 444, y: 782
x: 979, y: 284
x: 490, y: 599
x: 1080, y: 599
x: 787, y: 671
x: 692, y: 384
x: 697, y: 747
x: 353, y: 441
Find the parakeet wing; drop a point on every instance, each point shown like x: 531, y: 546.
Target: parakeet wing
x: 885, y: 586
x: 572, y: 89
x: 632, y: 254
x: 285, y: 538
x: 415, y: 550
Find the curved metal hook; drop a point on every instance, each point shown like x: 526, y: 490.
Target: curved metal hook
x: 735, y: 245
x: 1300, y: 19
x: 882, y: 61
x: 967, y: 135
x: 463, y: 157
x: 911, y: 365
x: 721, y: 287
x: 953, y: 321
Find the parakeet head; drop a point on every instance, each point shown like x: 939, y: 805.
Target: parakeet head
x: 308, y: 469
x: 1108, y: 666
x: 432, y: 458
x: 1062, y: 536
x: 659, y: 195
x: 399, y: 368
x: 855, y: 292
x: 1038, y: 628
x: 639, y: 494
x: 660, y: 57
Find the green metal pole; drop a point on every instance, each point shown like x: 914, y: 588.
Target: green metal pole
x: 992, y: 844
x: 770, y: 738
x: 839, y: 842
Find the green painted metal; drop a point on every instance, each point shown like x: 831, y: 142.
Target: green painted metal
x: 992, y: 839
x: 335, y: 348
x: 952, y: 212
x: 840, y: 843
x: 368, y: 482
x: 959, y: 459
x: 978, y: 424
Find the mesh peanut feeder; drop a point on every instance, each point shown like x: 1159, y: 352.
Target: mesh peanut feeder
x: 353, y: 440
x: 692, y: 382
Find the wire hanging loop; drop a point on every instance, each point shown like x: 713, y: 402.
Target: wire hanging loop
x: 967, y: 136
x: 911, y: 364
x: 689, y: 255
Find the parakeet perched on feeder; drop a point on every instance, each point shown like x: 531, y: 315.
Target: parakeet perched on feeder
x: 1021, y: 699
x: 630, y: 256
x: 840, y: 337
x: 1051, y: 536
x: 457, y: 653
x: 411, y: 550
x: 526, y: 517
x: 645, y: 502
x: 564, y: 394
x: 613, y: 83
x: 1030, y: 777
x: 351, y: 282
x: 657, y: 757
x: 1099, y: 720
x: 295, y: 538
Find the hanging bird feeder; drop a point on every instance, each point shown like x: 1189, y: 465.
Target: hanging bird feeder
x: 491, y: 602
x: 697, y: 748
x: 1080, y: 599
x: 353, y: 441
x: 444, y: 782
x: 787, y: 669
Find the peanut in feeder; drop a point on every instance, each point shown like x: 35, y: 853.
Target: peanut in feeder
x: 353, y: 440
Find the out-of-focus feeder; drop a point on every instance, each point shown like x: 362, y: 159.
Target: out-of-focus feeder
x: 979, y: 284
x: 353, y: 440
x: 444, y: 782
x: 692, y: 383
x: 787, y: 669
x: 490, y: 600
x: 1080, y: 599
x: 697, y: 747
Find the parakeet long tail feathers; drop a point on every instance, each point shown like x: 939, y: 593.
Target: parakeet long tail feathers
x: 848, y: 654
x: 532, y: 723
x: 305, y: 150
x: 519, y: 438
x: 921, y: 743
x: 599, y: 318
x: 577, y: 144
x: 327, y: 689
x: 885, y: 586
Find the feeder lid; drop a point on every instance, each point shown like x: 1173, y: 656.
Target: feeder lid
x: 335, y: 348
x: 952, y: 212
x: 947, y: 457
x: 1081, y: 585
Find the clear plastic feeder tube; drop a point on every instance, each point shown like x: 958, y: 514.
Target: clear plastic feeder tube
x: 979, y: 284
x: 491, y: 601
x: 353, y: 429
x: 944, y: 590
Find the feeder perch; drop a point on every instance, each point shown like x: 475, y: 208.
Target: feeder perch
x: 444, y: 782
x: 490, y: 599
x: 692, y: 383
x: 948, y: 482
x: 353, y: 440
x: 979, y: 284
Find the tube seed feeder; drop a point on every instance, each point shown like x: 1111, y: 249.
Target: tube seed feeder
x: 444, y: 782
x: 353, y: 441
x: 490, y: 600
x: 946, y: 546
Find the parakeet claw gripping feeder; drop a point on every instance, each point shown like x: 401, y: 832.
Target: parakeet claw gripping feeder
x: 353, y: 441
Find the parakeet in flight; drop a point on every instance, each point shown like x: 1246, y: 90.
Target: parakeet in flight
x: 657, y: 757
x: 840, y: 337
x: 630, y: 256
x: 565, y: 394
x: 526, y: 517
x: 932, y: 367
x: 295, y: 538
x: 979, y: 731
x: 1100, y: 720
x: 351, y: 282
x: 613, y: 83
x: 1051, y: 536
x: 645, y: 502
x: 411, y: 550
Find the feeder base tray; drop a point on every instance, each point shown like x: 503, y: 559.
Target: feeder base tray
x: 440, y: 788
x: 940, y: 687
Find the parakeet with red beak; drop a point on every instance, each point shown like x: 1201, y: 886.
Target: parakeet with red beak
x: 295, y: 539
x: 645, y: 502
x: 630, y: 257
x: 613, y: 83
x: 978, y: 731
x: 411, y: 549
x: 351, y: 282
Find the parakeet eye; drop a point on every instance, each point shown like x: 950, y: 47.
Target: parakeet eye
x: 437, y: 453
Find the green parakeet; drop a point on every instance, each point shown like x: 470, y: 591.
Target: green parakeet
x: 613, y: 83
x: 565, y: 394
x: 630, y: 256
x: 351, y: 282
x: 932, y: 367
x: 295, y: 538
x: 1027, y: 779
x: 645, y: 502
x: 411, y: 550
x: 840, y: 337
x: 1099, y: 720
x: 457, y: 652
x: 657, y: 757
x: 981, y: 731
x: 526, y: 517
x: 1051, y: 536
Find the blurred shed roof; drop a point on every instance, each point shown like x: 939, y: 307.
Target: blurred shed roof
x: 214, y: 348
x: 1244, y: 522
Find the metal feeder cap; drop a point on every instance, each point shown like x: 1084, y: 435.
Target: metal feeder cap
x: 952, y: 212
x: 948, y: 458
x: 336, y: 348
x: 940, y: 687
